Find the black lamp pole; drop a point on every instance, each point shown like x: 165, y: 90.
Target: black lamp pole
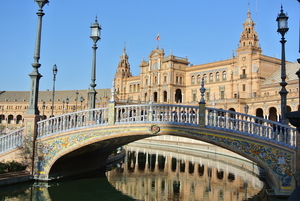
x: 53, y: 91
x: 282, y: 29
x: 95, y: 36
x: 35, y: 75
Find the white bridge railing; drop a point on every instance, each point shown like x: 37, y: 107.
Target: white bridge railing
x: 251, y: 125
x: 71, y: 121
x: 11, y: 140
x: 176, y: 114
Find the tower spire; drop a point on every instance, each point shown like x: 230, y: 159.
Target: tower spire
x: 249, y: 37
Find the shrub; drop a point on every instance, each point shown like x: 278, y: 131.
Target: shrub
x: 3, y: 168
x: 11, y: 166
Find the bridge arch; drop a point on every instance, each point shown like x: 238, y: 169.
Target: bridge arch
x: 52, y: 151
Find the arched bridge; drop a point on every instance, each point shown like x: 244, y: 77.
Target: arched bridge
x: 65, y: 144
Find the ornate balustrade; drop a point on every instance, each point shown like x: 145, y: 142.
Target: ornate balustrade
x: 71, y: 121
x: 176, y: 114
x: 251, y: 126
x: 157, y: 112
x: 11, y: 140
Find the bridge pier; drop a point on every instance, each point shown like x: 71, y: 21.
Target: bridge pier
x: 30, y: 133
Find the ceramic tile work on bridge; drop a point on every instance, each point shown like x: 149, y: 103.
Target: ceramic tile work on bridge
x: 271, y: 145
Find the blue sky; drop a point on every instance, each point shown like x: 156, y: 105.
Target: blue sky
x: 205, y: 31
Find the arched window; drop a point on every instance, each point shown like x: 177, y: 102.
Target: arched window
x: 10, y: 119
x: 211, y: 77
x: 19, y: 119
x: 193, y: 79
x: 155, y: 97
x: 134, y: 87
x: 138, y: 87
x: 205, y: 78
x: 130, y: 88
x: 165, y: 96
x: 217, y: 76
x: 198, y: 79
x: 224, y: 75
x: 155, y: 79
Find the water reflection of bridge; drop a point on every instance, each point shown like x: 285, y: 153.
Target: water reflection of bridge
x: 153, y: 171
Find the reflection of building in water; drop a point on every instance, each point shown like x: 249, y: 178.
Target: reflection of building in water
x: 153, y: 173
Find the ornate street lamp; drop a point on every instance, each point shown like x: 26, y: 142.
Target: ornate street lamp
x: 298, y: 74
x: 76, y: 98
x: 246, y: 108
x: 63, y: 107
x: 35, y: 75
x: 282, y: 20
x: 44, y: 105
x: 53, y: 91
x: 67, y: 102
x: 81, y: 100
x: 95, y: 36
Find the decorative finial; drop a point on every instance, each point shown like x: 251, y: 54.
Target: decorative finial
x: 112, y: 98
x: 202, y: 91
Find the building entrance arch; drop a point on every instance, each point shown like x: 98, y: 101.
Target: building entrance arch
x: 259, y: 113
x: 165, y: 96
x: 178, y: 96
x: 273, y: 114
x: 155, y: 97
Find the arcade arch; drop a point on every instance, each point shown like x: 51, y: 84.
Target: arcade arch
x: 178, y: 96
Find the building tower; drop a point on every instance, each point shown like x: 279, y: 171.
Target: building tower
x: 246, y: 75
x: 123, y: 72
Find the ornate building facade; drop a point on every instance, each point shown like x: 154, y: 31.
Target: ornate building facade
x: 247, y: 78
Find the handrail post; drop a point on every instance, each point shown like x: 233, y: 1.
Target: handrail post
x: 150, y: 112
x: 111, y: 113
x: 111, y: 106
x: 202, y: 105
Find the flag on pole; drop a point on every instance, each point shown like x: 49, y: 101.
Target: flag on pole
x: 158, y: 37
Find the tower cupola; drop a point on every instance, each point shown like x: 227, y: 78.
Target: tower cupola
x: 249, y: 37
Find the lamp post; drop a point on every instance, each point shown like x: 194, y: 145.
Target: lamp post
x: 44, y: 105
x: 35, y: 75
x: 246, y: 108
x: 76, y: 99
x: 95, y: 36
x: 63, y: 107
x: 298, y: 74
x: 81, y: 100
x: 282, y: 20
x: 67, y: 102
x: 53, y: 91
x: 2, y: 114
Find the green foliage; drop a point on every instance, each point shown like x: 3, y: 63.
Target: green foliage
x: 11, y: 166
x: 3, y: 167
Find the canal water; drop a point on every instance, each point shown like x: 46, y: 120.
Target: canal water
x: 155, y: 173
